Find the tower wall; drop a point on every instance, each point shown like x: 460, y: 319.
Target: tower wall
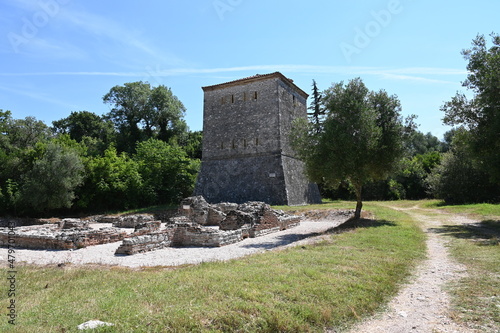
x: 246, y: 150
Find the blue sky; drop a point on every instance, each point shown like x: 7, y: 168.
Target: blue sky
x: 59, y: 56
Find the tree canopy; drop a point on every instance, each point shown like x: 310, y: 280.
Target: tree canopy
x: 139, y: 154
x: 141, y: 112
x: 481, y: 113
x: 360, y: 139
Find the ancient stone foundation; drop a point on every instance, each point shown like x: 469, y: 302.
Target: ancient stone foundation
x: 64, y: 235
x: 203, y: 224
x: 197, y: 223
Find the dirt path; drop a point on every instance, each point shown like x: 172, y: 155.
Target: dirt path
x: 423, y: 305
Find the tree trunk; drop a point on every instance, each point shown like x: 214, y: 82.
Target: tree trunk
x: 359, y: 203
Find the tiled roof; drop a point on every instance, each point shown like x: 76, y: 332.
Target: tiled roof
x: 256, y: 77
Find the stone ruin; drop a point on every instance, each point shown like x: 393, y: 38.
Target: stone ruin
x: 196, y: 223
x: 69, y: 234
x: 211, y: 225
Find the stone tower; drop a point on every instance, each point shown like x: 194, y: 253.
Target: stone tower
x: 246, y: 149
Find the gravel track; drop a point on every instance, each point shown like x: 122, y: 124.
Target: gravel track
x: 422, y: 305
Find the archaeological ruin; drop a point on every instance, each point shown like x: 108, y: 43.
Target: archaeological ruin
x: 196, y: 223
x: 246, y: 147
x: 247, y: 165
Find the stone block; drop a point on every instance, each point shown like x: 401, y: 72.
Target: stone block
x: 131, y: 221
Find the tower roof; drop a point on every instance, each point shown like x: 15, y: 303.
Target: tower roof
x: 257, y: 77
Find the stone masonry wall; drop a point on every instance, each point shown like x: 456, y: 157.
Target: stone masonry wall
x: 246, y: 128
x: 235, y: 222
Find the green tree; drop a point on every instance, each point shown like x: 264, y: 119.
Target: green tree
x: 167, y: 172
x: 418, y: 143
x: 140, y: 112
x: 360, y: 141
x: 5, y: 117
x: 459, y: 178
x: 317, y: 113
x: 52, y: 181
x: 112, y: 181
x: 26, y: 133
x: 191, y: 142
x: 480, y: 114
x: 83, y: 125
x: 166, y: 113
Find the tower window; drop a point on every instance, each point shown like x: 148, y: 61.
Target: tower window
x: 232, y: 98
x: 255, y: 95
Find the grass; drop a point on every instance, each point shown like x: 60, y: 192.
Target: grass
x: 479, y: 210
x: 147, y: 210
x: 476, y: 298
x: 301, y: 289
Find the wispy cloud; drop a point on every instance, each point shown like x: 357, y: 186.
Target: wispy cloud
x: 125, y: 39
x: 36, y: 96
x: 417, y: 74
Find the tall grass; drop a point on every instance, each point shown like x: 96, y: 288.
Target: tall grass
x: 301, y: 289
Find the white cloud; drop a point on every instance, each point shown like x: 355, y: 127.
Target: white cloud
x: 36, y: 95
x: 424, y: 74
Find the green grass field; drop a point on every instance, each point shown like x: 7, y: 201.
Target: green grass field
x: 301, y: 289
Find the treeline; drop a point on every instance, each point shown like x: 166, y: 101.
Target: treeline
x: 139, y: 154
x: 465, y: 167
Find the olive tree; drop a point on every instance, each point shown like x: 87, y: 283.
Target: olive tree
x: 360, y: 140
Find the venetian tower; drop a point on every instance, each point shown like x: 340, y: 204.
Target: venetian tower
x: 246, y: 149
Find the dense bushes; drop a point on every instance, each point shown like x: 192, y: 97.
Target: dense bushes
x: 91, y: 163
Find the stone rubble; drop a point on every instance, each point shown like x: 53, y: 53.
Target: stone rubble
x: 197, y: 224
x: 211, y: 225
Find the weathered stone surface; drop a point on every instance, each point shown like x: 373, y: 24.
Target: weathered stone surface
x: 196, y: 235
x: 131, y: 221
x: 152, y: 241
x: 148, y: 226
x: 195, y: 208
x: 93, y: 324
x: 108, y: 219
x: 231, y: 223
x: 236, y: 219
x: 73, y: 224
x: 246, y: 146
x: 215, y: 216
x: 227, y: 206
x: 51, y: 237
